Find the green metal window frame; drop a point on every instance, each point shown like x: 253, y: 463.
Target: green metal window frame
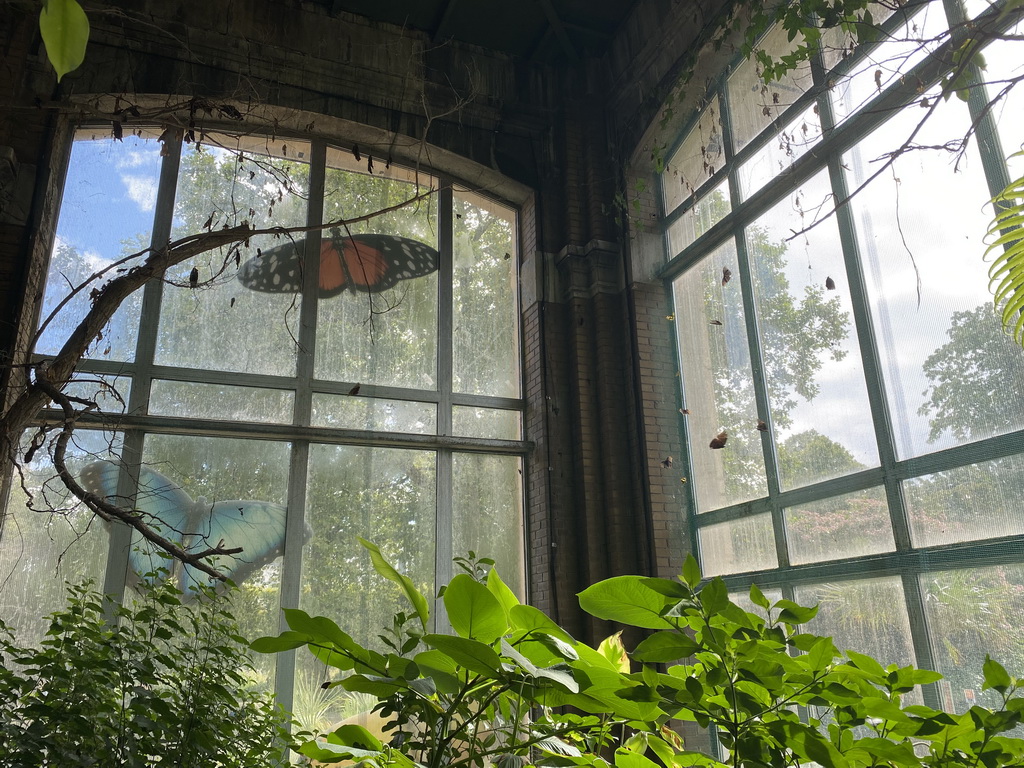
x: 134, y: 425
x: 906, y: 562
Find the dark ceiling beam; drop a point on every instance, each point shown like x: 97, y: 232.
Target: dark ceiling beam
x: 441, y: 32
x: 559, y: 30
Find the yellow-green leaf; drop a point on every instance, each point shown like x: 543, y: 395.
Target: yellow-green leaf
x: 65, y: 30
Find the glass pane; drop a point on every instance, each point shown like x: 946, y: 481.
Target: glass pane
x: 699, y: 218
x: 106, y: 214
x: 48, y: 538
x: 972, y: 613
x: 737, y: 546
x: 374, y: 413
x: 753, y: 104
x: 944, y: 356
x: 487, y: 513
x: 698, y: 157
x: 110, y: 393
x: 980, y: 501
x: 888, y: 62
x: 717, y: 383
x: 864, y: 615
x: 487, y: 423
x: 385, y: 336
x: 219, y: 401
x: 230, y: 490
x: 851, y: 525
x: 228, y: 325
x: 820, y: 412
x: 485, y: 298
x: 781, y: 152
x: 385, y: 495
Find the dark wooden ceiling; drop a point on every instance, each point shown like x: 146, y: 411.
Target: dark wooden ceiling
x: 543, y: 31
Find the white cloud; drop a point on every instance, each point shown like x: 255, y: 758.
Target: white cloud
x: 95, y: 262
x: 141, y: 190
x: 136, y: 159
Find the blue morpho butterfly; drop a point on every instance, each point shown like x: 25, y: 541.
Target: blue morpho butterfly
x: 358, y: 263
x: 255, y: 526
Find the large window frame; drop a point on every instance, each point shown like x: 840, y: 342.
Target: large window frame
x: 704, y: 233
x: 445, y: 443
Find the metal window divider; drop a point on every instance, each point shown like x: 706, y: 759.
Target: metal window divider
x: 115, y: 577
x: 443, y: 513
x: 298, y: 470
x: 757, y: 370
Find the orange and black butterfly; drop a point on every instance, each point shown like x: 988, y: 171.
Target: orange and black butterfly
x: 363, y: 263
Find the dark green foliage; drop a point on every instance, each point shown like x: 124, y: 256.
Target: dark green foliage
x: 164, y: 686
x: 775, y: 695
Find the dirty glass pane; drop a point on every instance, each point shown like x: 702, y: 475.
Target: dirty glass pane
x: 885, y: 65
x: 228, y: 325
x: 106, y: 214
x: 698, y: 157
x: 972, y: 613
x: 979, y: 501
x: 486, y: 422
x: 753, y: 104
x: 219, y: 401
x: 737, y: 546
x: 205, y: 490
x: 851, y: 525
x: 699, y: 218
x: 487, y: 513
x: 718, y: 386
x: 485, y: 291
x: 945, y: 359
x: 110, y: 393
x: 385, y: 495
x: 378, y: 327
x: 865, y: 615
x: 820, y: 414
x: 48, y: 537
x: 775, y: 157
x: 375, y: 413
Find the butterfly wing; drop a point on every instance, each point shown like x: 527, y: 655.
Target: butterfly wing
x: 377, y: 262
x: 278, y: 270
x: 358, y: 263
x: 255, y: 526
x: 162, y: 502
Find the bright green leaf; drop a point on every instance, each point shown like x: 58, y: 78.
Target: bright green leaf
x: 473, y: 610
x: 627, y: 600
x: 471, y: 654
x: 501, y: 591
x: 996, y: 676
x: 665, y: 646
x: 691, y: 571
x: 385, y: 569
x: 286, y: 641
x: 65, y: 30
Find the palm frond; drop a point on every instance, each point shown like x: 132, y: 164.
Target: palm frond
x: 1006, y: 275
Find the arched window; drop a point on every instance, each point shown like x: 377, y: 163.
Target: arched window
x: 283, y: 395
